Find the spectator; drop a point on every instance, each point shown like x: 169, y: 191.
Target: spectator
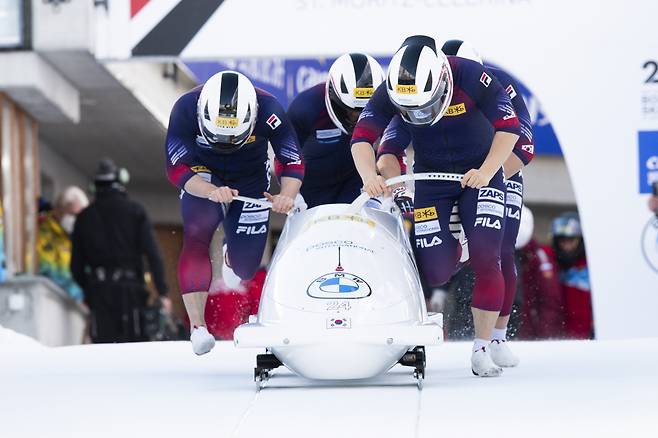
x: 540, y: 298
x: 653, y: 199
x: 110, y: 239
x: 569, y: 251
x: 54, y: 241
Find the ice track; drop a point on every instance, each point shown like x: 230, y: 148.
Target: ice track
x: 561, y: 389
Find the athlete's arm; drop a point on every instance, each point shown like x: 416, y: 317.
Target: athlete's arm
x: 389, y: 166
x: 524, y: 149
x: 179, y: 147
x: 364, y: 160
x: 286, y: 148
x: 372, y: 122
x: 197, y: 186
x: 285, y: 200
x: 501, y: 148
x: 391, y: 153
x: 497, y: 107
x: 296, y: 114
x: 512, y: 165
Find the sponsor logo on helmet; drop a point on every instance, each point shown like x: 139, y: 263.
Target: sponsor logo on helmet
x: 425, y: 214
x: 485, y: 79
x: 406, y: 89
x: 273, y: 121
x: 364, y: 92
x: 226, y: 122
x: 455, y: 110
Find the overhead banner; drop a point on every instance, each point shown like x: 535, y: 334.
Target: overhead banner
x: 592, y: 63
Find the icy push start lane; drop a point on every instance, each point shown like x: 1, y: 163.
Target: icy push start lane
x: 561, y: 389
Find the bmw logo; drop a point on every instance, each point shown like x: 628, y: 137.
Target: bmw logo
x: 339, y: 285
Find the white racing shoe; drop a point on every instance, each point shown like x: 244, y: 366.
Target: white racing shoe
x: 501, y: 354
x: 231, y: 280
x: 483, y: 366
x: 202, y: 340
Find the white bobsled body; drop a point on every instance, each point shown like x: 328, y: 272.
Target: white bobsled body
x: 342, y: 299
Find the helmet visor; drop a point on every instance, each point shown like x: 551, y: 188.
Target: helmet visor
x: 346, y: 115
x: 433, y: 109
x: 225, y: 143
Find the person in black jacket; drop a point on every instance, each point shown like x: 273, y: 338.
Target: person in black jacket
x: 110, y: 239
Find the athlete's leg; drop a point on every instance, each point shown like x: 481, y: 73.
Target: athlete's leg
x: 435, y: 248
x: 499, y: 350
x: 514, y: 201
x: 483, y: 217
x: 201, y: 218
x: 245, y: 230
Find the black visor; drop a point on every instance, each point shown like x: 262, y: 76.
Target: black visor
x: 342, y: 111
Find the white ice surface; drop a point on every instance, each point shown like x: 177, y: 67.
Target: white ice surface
x: 561, y: 389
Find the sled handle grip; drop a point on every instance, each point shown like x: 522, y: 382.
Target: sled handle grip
x: 259, y: 202
x: 361, y: 200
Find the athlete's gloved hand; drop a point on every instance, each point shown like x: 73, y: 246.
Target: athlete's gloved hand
x: 280, y: 203
x: 376, y: 186
x: 222, y: 194
x: 404, y: 200
x: 476, y: 179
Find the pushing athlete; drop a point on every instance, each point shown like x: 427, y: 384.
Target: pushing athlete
x: 460, y: 120
x: 216, y: 149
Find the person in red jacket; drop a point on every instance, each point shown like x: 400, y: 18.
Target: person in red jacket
x: 569, y: 251
x: 541, y: 301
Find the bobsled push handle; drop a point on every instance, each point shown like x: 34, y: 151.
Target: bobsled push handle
x: 359, y: 202
x: 258, y: 202
x: 265, y: 204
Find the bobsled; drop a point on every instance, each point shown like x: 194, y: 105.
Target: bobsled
x: 342, y: 298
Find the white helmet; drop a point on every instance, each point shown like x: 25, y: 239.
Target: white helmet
x: 420, y: 81
x: 462, y: 49
x: 352, y: 79
x: 226, y: 111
